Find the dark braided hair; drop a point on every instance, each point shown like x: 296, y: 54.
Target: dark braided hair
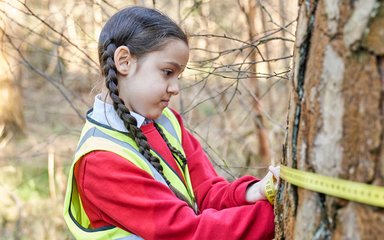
x: 142, y: 30
x: 176, y: 153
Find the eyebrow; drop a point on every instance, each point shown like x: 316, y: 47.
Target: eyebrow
x: 176, y: 65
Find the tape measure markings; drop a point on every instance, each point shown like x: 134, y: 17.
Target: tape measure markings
x: 269, y: 190
x: 354, y: 191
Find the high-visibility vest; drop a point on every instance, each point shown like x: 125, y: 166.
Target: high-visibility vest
x: 97, y: 137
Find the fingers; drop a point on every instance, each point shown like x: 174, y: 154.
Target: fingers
x: 275, y: 171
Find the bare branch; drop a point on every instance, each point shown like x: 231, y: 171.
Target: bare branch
x: 59, y: 33
x: 42, y: 74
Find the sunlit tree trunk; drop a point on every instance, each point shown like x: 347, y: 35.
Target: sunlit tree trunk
x: 11, y: 113
x: 249, y: 9
x: 284, y: 14
x: 336, y: 119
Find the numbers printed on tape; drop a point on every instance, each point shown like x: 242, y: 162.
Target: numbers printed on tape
x: 270, y: 190
x: 353, y: 191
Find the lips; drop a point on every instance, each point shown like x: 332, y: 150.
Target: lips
x: 165, y: 103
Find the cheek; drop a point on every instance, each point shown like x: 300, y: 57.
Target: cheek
x: 129, y: 95
x: 156, y: 88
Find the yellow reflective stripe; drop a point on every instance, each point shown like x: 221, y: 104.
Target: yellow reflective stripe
x: 177, y: 144
x: 189, y: 184
x: 134, y: 155
x: 166, y: 123
x: 174, y: 142
x: 126, y: 151
x: 73, y: 202
x: 175, y: 181
x: 99, y: 143
x: 106, y: 145
x: 172, y: 118
x: 73, y: 205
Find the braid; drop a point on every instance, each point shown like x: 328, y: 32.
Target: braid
x: 109, y: 71
x: 129, y: 122
x: 174, y: 152
x: 172, y: 148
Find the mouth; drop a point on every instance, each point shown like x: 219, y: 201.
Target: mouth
x: 165, y: 102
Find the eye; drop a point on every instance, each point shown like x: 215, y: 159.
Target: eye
x: 167, y: 72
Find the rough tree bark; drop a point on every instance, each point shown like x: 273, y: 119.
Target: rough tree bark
x: 336, y: 119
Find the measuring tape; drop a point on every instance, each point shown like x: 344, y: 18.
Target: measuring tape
x: 269, y: 190
x: 353, y: 191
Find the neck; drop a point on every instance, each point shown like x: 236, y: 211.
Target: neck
x: 104, y: 95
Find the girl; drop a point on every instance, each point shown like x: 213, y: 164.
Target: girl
x: 138, y: 173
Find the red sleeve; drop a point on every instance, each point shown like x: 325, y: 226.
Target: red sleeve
x: 116, y: 192
x: 211, y: 190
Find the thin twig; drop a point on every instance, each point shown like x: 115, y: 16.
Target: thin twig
x: 57, y: 32
x: 42, y: 74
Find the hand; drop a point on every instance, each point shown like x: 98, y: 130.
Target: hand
x: 256, y: 191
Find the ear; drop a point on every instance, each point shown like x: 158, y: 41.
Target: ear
x: 122, y: 58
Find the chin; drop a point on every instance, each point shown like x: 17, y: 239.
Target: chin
x: 154, y: 116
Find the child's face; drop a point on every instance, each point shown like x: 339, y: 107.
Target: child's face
x: 153, y: 79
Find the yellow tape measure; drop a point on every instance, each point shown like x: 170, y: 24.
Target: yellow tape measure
x: 269, y: 190
x: 353, y: 191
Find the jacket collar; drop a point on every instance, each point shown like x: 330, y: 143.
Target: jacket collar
x: 105, y: 114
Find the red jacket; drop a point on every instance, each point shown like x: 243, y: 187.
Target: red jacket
x: 106, y: 182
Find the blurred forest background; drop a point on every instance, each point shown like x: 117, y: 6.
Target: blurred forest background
x: 234, y: 95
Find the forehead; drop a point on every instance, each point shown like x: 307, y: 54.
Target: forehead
x: 174, y: 51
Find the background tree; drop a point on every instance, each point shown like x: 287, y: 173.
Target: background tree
x: 11, y: 113
x: 336, y: 119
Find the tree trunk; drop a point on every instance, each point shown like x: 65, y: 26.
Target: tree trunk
x: 11, y: 109
x: 249, y: 9
x: 11, y: 113
x: 336, y: 119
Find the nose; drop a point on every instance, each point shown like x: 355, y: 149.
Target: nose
x: 173, y: 86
